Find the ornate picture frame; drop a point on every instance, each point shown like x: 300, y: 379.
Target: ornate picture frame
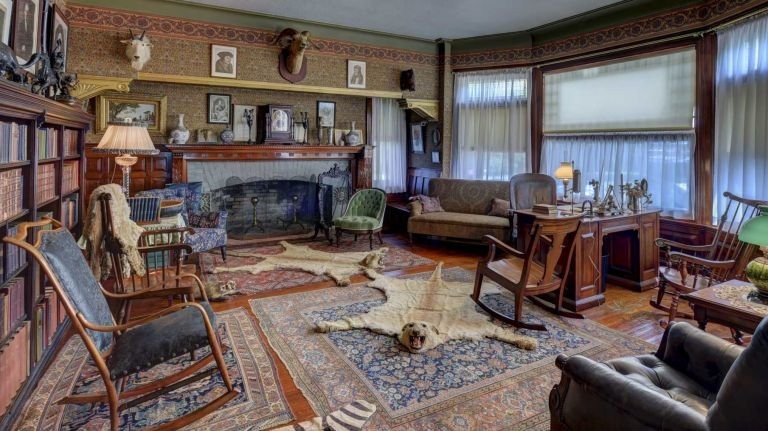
x: 6, y: 12
x: 219, y: 108
x: 326, y: 113
x: 145, y: 108
x: 27, y: 27
x: 58, y: 31
x: 417, y: 139
x: 224, y: 61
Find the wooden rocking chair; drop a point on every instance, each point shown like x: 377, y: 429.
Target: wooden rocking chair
x: 692, y: 267
x: 524, y: 274
x: 119, y: 350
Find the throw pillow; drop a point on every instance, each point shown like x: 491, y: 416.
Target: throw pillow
x: 429, y: 204
x: 499, y: 208
x: 204, y: 220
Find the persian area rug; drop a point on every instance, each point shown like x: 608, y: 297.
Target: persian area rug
x: 460, y: 385
x: 260, y: 404
x: 246, y: 283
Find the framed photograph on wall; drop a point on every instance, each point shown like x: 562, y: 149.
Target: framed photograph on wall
x: 326, y: 113
x: 417, y: 140
x: 240, y: 115
x: 435, y: 156
x: 6, y: 11
x: 224, y: 61
x: 355, y: 74
x: 117, y: 108
x: 58, y: 34
x: 26, y: 28
x: 219, y: 108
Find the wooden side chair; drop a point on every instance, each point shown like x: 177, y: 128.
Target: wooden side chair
x: 119, y: 350
x: 543, y: 267
x: 364, y: 215
x: 691, y: 267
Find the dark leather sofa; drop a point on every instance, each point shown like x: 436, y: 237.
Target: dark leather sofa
x: 695, y: 381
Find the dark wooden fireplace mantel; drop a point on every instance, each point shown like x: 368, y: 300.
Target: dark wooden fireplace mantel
x: 182, y: 154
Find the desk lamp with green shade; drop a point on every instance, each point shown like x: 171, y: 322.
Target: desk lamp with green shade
x: 755, y: 231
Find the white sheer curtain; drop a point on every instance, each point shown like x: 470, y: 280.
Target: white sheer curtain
x: 388, y: 138
x: 632, y: 118
x: 741, y: 112
x: 491, y: 124
x: 664, y: 159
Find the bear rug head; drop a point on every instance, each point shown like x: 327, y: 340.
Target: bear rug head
x: 423, y: 314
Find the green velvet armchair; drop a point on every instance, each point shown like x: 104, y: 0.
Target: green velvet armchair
x: 364, y: 215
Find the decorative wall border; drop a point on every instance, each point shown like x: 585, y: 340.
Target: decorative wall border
x: 104, y: 18
x: 690, y: 18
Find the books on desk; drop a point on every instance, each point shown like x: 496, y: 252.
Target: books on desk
x: 545, y: 209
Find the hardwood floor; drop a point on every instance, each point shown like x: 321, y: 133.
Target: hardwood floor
x: 624, y: 310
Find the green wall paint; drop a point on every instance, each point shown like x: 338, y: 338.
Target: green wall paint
x: 192, y: 11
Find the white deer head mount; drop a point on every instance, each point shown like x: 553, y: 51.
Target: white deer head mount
x: 138, y: 50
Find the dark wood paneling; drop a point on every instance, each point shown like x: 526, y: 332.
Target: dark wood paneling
x: 149, y: 172
x: 704, y: 151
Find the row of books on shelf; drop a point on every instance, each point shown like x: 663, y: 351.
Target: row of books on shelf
x: 11, y: 306
x: 70, y: 178
x: 47, y: 143
x: 15, y: 135
x: 11, y: 257
x: 49, y: 313
x: 70, y: 211
x: 46, y: 183
x: 70, y: 142
x: 11, y: 184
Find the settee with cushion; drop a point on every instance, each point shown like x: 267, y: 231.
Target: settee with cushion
x: 463, y: 212
x: 695, y: 381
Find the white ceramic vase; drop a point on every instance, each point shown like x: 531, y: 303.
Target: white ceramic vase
x: 180, y: 134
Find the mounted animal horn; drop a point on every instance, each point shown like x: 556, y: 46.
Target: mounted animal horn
x: 138, y: 50
x: 292, y: 64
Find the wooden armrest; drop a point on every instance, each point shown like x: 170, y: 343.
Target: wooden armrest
x: 169, y: 278
x: 720, y: 264
x: 662, y: 242
x: 125, y: 326
x: 165, y: 247
x: 497, y: 243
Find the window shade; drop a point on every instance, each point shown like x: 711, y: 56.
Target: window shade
x: 652, y: 93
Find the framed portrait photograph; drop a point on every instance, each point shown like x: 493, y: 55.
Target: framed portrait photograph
x: 355, y: 74
x: 6, y: 11
x: 224, y: 61
x: 326, y: 113
x: 58, y: 34
x: 26, y: 28
x: 117, y: 108
x: 219, y: 108
x: 240, y: 122
x: 417, y: 140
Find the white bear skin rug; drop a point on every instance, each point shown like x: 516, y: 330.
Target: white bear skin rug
x: 426, y: 313
x: 337, y: 266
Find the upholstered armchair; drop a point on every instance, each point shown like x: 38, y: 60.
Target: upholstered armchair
x: 364, y: 215
x: 695, y: 381
x: 210, y: 227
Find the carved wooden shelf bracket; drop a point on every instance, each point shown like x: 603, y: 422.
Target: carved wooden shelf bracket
x: 92, y: 85
x: 427, y: 108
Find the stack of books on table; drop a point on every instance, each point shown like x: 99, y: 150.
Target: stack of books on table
x: 545, y: 209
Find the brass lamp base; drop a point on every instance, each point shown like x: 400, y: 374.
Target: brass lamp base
x: 125, y: 162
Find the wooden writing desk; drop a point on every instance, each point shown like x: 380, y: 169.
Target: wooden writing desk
x: 628, y: 242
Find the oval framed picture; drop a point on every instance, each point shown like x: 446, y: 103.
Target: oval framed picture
x: 436, y: 137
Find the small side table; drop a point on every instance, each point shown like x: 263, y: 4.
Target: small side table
x: 731, y: 303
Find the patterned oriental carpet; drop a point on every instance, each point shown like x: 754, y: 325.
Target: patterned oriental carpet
x: 461, y: 385
x: 246, y: 283
x: 261, y: 403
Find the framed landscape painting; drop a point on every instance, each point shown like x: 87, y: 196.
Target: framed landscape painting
x: 117, y: 108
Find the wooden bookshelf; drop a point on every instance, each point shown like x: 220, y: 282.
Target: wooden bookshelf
x: 42, y: 146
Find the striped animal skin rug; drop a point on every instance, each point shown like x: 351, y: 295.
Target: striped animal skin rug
x: 426, y: 313
x: 338, y: 266
x: 351, y: 417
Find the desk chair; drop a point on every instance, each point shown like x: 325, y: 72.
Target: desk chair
x: 119, y: 350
